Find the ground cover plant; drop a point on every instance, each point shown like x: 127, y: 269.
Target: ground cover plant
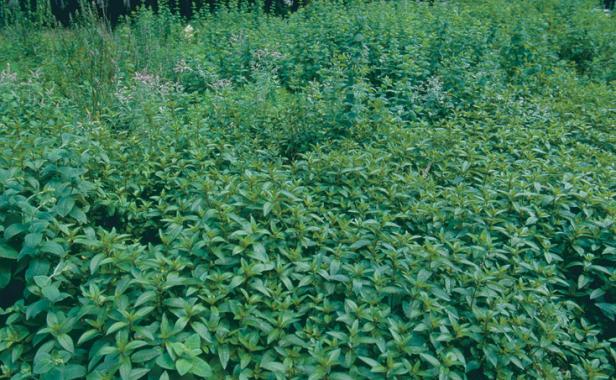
x: 383, y: 190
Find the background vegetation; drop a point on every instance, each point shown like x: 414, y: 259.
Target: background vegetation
x: 114, y: 10
x: 381, y: 190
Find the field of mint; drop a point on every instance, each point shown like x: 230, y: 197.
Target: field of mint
x: 384, y: 190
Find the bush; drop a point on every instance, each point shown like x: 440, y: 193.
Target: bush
x: 383, y: 190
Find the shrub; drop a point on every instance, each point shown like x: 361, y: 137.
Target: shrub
x: 383, y: 190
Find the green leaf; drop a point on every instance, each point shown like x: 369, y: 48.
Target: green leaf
x: 116, y: 326
x: 65, y: 205
x: 146, y: 355
x: 223, y: 355
x: 42, y: 281
x: 88, y: 335
x: 53, y: 248
x: 14, y: 230
x: 137, y: 373
x: 597, y: 293
x: 66, y: 342
x: 95, y: 262
x: 202, y: 330
x: 7, y: 252
x: 183, y: 366
x: 360, y: 244
x: 193, y: 343
x: 135, y: 344
x: 5, y: 276
x: 51, y: 292
x: 583, y: 281
x: 267, y: 207
x: 78, y: 215
x: 107, y: 350
x: 36, y: 308
x: 371, y: 362
x: 165, y: 361
x: 125, y: 370
x: 430, y: 359
x: 38, y: 267
x: 73, y: 371
x: 33, y: 239
x: 259, y: 253
x: 143, y: 298
x: 201, y: 368
x: 53, y: 374
x: 490, y: 352
x: 274, y: 367
x: 43, y: 363
x: 609, y: 309
x: 340, y: 376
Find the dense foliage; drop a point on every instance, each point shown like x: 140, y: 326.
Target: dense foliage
x: 383, y: 190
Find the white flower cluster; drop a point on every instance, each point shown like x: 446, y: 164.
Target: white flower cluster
x: 189, y: 32
x: 182, y: 67
x: 220, y: 84
x: 152, y: 84
x: 433, y: 89
x: 7, y: 75
x: 265, y: 59
x: 156, y: 83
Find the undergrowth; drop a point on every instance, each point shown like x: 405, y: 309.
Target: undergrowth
x: 360, y: 190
